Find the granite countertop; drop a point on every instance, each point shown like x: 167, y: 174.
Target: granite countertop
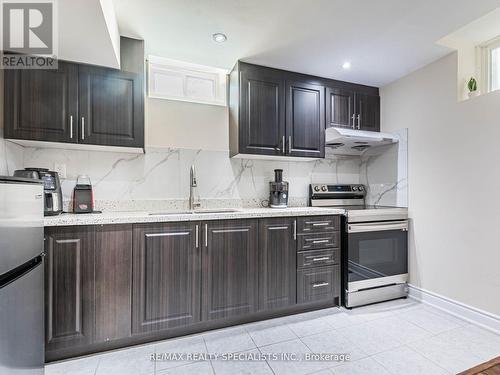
x: 129, y: 217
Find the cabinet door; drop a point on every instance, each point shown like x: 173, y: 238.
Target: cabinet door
x: 277, y: 263
x: 368, y: 110
x: 319, y: 284
x: 262, y: 117
x: 305, y: 120
x: 230, y: 259
x: 113, y: 282
x: 42, y: 104
x: 111, y: 107
x: 69, y: 287
x: 166, y: 276
x: 339, y: 108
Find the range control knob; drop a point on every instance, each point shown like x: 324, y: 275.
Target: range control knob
x: 324, y: 188
x: 316, y: 188
x: 361, y: 188
x: 354, y: 188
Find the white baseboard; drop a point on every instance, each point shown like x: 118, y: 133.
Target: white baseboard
x: 460, y: 310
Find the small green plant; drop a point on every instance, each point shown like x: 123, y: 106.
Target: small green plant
x: 472, y: 84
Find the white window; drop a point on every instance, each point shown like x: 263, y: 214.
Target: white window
x: 495, y: 69
x: 177, y: 80
x: 491, y: 64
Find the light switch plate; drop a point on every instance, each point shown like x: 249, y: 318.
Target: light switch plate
x: 60, y: 168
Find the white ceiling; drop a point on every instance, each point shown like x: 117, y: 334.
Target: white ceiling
x: 384, y: 39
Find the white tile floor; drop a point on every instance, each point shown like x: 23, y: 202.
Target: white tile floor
x: 397, y: 337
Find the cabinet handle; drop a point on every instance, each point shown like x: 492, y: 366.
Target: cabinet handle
x: 318, y: 285
x: 197, y: 240
x: 83, y: 128
x: 295, y: 230
x: 321, y: 241
x: 359, y: 121
x: 206, y: 235
x: 320, y: 259
x: 320, y: 224
x: 71, y: 126
x: 289, y: 144
x: 173, y: 234
x: 354, y: 121
x: 284, y: 145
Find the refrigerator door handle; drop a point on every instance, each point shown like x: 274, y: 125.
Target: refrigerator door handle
x: 14, y: 274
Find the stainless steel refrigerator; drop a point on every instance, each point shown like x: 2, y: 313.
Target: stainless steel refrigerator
x: 21, y: 277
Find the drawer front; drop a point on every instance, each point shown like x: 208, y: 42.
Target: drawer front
x: 318, y: 241
x: 318, y: 284
x: 318, y: 258
x: 318, y: 224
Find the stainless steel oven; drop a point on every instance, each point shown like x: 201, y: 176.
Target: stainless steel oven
x: 377, y: 261
x: 374, y: 245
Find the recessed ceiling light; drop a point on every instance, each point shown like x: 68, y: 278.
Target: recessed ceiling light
x: 219, y: 37
x: 346, y: 65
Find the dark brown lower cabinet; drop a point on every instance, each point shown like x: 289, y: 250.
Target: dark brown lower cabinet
x: 230, y: 256
x: 166, y: 276
x: 69, y: 287
x: 113, y: 282
x: 109, y: 286
x: 88, y: 275
x: 318, y: 284
x: 277, y: 263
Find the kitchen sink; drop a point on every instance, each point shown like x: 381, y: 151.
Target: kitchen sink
x: 170, y: 213
x: 215, y: 211
x: 201, y: 211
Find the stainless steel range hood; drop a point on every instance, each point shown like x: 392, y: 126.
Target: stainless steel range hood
x: 355, y: 142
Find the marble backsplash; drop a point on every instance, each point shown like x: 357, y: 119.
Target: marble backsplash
x: 385, y: 173
x: 11, y: 157
x: 159, y: 179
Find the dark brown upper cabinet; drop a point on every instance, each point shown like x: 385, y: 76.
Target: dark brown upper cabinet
x: 340, y: 108
x: 277, y: 263
x: 305, y: 119
x: 262, y: 123
x: 110, y: 108
x: 41, y: 105
x: 229, y: 269
x: 368, y: 112
x: 79, y: 103
x: 273, y: 112
x: 280, y: 113
x: 346, y: 108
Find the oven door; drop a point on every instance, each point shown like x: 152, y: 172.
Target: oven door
x: 377, y: 254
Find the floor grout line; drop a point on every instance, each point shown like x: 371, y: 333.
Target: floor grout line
x: 360, y: 321
x: 210, y: 361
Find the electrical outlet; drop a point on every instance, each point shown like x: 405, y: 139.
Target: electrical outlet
x: 60, y: 168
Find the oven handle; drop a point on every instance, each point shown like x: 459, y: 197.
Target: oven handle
x: 378, y: 227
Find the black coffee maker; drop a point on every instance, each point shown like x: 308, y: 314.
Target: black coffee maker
x: 278, y: 191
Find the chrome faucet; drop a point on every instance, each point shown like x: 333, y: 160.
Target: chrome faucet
x: 194, y: 199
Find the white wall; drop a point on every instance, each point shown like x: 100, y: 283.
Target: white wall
x: 454, y: 204
x: 179, y: 124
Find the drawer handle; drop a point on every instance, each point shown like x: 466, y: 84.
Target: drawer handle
x: 148, y: 235
x: 319, y: 285
x: 321, y: 241
x: 321, y: 259
x: 320, y: 224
